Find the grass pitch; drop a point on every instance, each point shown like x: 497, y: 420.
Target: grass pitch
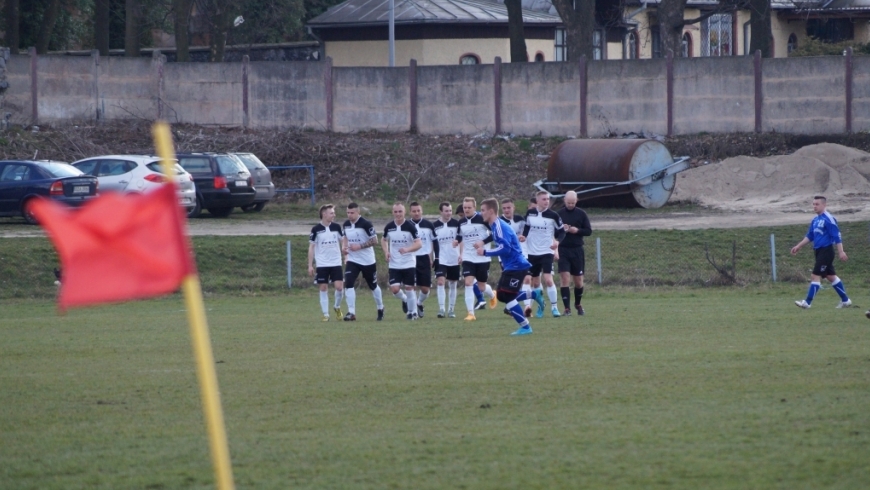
x: 691, y: 389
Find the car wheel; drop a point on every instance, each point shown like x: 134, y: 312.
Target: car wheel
x: 26, y: 214
x: 196, y: 211
x: 254, y: 208
x: 220, y: 212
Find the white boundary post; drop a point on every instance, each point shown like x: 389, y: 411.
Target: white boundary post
x: 598, y: 256
x: 773, y: 257
x: 289, y: 267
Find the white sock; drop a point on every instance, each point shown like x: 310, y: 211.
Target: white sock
x: 338, y: 295
x: 470, y: 300
x: 452, y: 294
x: 421, y: 297
x: 350, y: 298
x: 528, y: 289
x: 324, y: 302
x: 412, y: 301
x: 442, y: 295
x: 401, y: 296
x: 551, y: 292
x: 379, y: 297
x: 487, y: 293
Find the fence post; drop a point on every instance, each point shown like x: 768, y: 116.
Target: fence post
x: 598, y: 256
x: 773, y: 257
x: 496, y: 78
x: 34, y: 84
x: 289, y: 267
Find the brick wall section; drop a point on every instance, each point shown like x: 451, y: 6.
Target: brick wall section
x: 799, y: 95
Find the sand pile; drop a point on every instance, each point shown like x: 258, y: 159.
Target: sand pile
x: 784, y: 183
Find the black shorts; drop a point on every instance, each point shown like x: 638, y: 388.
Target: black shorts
x: 407, y: 277
x: 510, y: 283
x: 369, y: 272
x: 326, y: 275
x: 424, y: 271
x: 541, y: 263
x: 824, y: 262
x: 479, y: 270
x: 572, y: 260
x: 450, y: 272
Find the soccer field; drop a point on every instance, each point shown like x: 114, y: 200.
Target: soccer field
x: 680, y: 388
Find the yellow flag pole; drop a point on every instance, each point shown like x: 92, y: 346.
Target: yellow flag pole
x: 205, y: 371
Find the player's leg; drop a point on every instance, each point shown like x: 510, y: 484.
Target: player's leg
x: 552, y: 293
x: 336, y: 274
x: 527, y: 288
x: 351, y: 273
x: 508, y: 292
x: 535, y: 275
x: 322, y: 279
x: 409, y: 280
x: 564, y: 288
x: 424, y: 281
x: 824, y: 261
x: 840, y: 288
x: 578, y: 267
x: 468, y: 274
x: 440, y: 282
x: 370, y: 274
x: 482, y: 276
x: 396, y: 288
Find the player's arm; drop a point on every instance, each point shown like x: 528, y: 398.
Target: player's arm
x: 436, y: 249
x: 794, y: 250
x: 385, y: 245
x: 311, y: 258
x: 417, y: 245
x: 585, y: 228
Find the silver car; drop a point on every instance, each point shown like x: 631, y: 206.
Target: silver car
x: 137, y: 173
x: 262, y: 181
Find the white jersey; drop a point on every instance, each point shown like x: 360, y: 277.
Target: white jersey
x: 445, y: 233
x: 541, y: 227
x: 401, y: 236
x: 472, y: 230
x: 327, y: 244
x: 360, y: 233
x: 427, y: 235
x: 518, y: 223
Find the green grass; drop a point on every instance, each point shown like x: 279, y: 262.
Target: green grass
x: 713, y: 388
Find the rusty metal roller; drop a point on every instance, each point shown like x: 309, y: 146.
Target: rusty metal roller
x: 639, y: 171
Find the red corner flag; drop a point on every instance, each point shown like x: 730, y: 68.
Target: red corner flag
x: 118, y: 247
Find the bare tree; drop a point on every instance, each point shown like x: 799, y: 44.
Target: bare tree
x: 47, y: 26
x: 101, y: 26
x: 672, y: 20
x: 13, y: 17
x: 181, y: 10
x: 579, y: 19
x: 515, y: 30
x: 759, y: 25
x: 131, y: 28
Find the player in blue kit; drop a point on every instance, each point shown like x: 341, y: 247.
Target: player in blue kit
x: 825, y: 235
x: 515, y: 266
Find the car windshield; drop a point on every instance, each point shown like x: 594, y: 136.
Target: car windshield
x: 250, y: 160
x: 155, y: 166
x: 230, y: 165
x: 60, y: 169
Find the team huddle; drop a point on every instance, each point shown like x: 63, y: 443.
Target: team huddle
x: 527, y: 247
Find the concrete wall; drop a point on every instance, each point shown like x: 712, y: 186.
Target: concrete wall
x: 804, y: 95
x: 372, y: 98
x: 535, y: 93
x: 800, y: 95
x: 629, y: 96
x: 455, y: 99
x: 127, y: 88
x: 291, y: 94
x: 203, y: 93
x: 704, y: 100
x: 17, y: 99
x: 861, y: 93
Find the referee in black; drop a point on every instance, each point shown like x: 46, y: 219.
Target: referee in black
x: 572, y: 260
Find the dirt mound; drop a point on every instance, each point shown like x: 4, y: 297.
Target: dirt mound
x: 783, y: 183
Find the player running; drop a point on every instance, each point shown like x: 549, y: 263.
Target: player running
x: 324, y: 248
x: 473, y: 229
x: 424, y: 254
x: 400, y: 242
x: 542, y: 234
x: 358, y: 245
x: 447, y: 258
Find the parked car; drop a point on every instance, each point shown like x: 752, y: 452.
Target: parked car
x: 137, y: 173
x: 262, y: 181
x: 24, y: 180
x: 222, y: 182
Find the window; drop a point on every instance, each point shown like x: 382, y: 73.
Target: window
x: 656, y: 36
x: 14, y: 172
x: 196, y: 165
x: 561, y: 46
x: 686, y: 45
x: 630, y: 46
x: 469, y: 59
x: 792, y: 43
x: 597, y: 44
x: 716, y: 35
x: 830, y: 30
x: 88, y: 167
x: 539, y: 57
x: 114, y: 167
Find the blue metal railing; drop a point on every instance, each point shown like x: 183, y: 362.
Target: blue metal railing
x: 309, y: 190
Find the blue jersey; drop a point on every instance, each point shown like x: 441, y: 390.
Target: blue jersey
x: 507, y: 247
x: 824, y: 231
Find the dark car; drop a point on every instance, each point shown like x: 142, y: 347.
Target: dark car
x: 24, y: 180
x: 222, y: 182
x: 262, y: 181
